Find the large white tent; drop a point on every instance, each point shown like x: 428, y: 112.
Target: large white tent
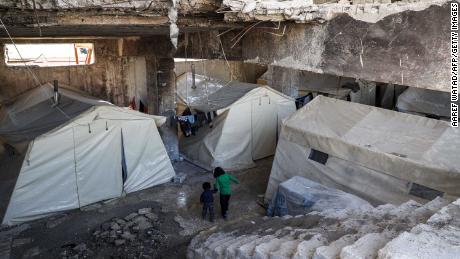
x: 380, y: 155
x: 245, y: 129
x: 78, y: 152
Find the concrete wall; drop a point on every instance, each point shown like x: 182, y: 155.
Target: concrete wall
x: 291, y: 81
x: 408, y: 48
x: 223, y: 70
x: 210, y: 44
x: 114, y: 76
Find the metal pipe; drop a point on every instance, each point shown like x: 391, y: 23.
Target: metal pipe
x: 193, y: 76
x: 56, y: 92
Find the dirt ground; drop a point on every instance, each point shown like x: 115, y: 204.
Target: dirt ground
x: 175, y: 208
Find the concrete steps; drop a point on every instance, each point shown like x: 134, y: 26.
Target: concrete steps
x: 333, y: 249
x: 439, y: 237
x: 367, y: 246
x: 286, y: 250
x: 376, y: 233
x: 231, y: 250
x: 262, y: 251
x: 307, y: 248
x: 247, y: 250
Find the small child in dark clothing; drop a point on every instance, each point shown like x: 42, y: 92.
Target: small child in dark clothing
x: 207, y: 200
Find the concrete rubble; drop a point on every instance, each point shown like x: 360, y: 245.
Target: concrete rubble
x: 132, y: 235
x: 7, y: 239
x: 191, y: 226
x: 386, y: 231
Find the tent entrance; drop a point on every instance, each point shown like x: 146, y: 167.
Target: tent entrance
x: 94, y: 165
x: 264, y: 122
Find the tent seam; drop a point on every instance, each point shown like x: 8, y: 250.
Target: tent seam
x: 75, y: 166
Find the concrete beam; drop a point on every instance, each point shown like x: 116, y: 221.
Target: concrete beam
x: 209, y: 45
x: 133, y: 6
x: 320, y: 10
x: 406, y: 48
x: 94, y: 23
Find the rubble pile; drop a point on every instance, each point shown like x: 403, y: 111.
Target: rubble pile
x: 134, y: 236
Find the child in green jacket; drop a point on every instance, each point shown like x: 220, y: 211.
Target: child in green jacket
x: 223, y: 181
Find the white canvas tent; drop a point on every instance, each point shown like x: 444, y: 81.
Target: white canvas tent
x: 78, y: 152
x: 245, y: 129
x: 424, y: 102
x: 380, y: 155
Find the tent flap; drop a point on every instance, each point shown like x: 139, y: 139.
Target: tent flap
x: 147, y: 161
x: 95, y: 167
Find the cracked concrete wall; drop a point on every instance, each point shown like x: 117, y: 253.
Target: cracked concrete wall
x: 409, y: 48
x: 209, y: 45
x: 220, y: 69
x: 293, y: 82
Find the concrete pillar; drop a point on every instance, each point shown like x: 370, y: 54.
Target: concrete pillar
x: 166, y: 105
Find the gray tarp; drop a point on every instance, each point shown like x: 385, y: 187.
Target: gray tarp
x: 29, y: 115
x: 374, y: 153
x: 223, y: 97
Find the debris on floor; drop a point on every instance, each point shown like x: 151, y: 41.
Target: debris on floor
x: 179, y: 178
x: 133, y: 236
x: 192, y: 226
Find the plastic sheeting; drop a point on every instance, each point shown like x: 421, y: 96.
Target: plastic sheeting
x: 204, y: 86
x: 65, y: 167
x: 374, y: 153
x: 243, y: 131
x: 298, y: 196
x: 223, y: 98
x: 424, y: 101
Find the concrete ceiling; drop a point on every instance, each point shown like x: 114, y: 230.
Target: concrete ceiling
x: 46, y: 23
